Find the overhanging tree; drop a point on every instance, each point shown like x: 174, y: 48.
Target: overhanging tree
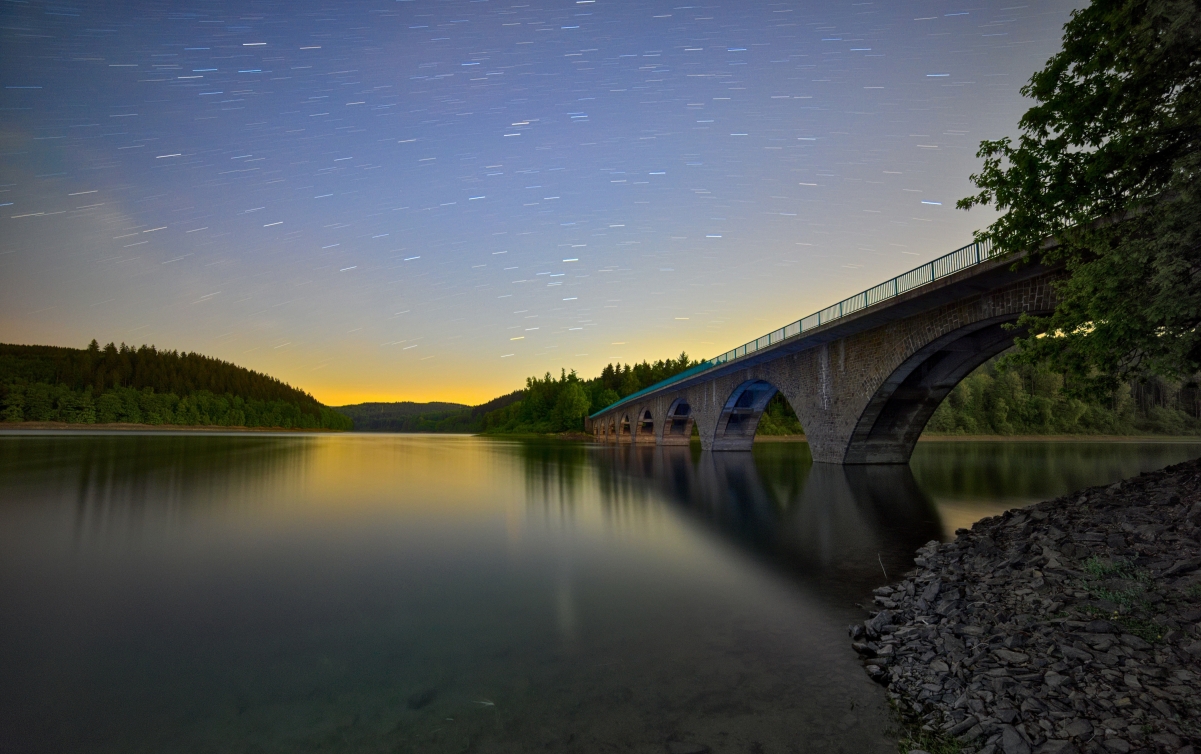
x: 1108, y: 163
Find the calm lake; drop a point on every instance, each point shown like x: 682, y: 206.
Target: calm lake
x: 168, y: 592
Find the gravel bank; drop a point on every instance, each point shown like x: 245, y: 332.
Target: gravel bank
x: 1069, y: 626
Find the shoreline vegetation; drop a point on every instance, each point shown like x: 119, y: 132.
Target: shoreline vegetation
x: 145, y: 386
x: 1071, y: 625
x: 572, y: 436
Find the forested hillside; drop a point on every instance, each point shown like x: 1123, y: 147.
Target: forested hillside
x: 407, y: 416
x: 147, y: 386
x: 402, y: 416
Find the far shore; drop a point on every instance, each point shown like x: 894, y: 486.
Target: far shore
x: 124, y: 427
x: 127, y: 427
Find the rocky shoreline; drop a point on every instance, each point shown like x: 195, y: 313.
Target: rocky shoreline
x: 1073, y: 625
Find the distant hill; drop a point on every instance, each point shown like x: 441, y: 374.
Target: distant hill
x: 407, y: 416
x: 396, y: 417
x: 144, y: 385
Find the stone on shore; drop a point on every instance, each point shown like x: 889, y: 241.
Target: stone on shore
x: 1073, y: 625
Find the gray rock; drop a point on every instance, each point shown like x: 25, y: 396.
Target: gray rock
x: 682, y: 747
x: 1056, y: 746
x: 963, y: 726
x: 1012, y: 741
x: 1134, y: 642
x: 1055, y: 680
x: 1014, y: 658
x: 972, y: 733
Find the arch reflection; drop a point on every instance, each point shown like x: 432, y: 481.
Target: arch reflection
x: 835, y: 528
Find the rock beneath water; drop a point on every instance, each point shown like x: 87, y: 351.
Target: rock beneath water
x: 422, y: 698
x: 1067, y: 627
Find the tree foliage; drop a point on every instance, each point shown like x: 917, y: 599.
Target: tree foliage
x: 560, y: 405
x: 147, y: 386
x: 1021, y: 399
x: 779, y: 418
x: 1107, y: 164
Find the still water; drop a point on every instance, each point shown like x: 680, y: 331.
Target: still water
x: 406, y: 593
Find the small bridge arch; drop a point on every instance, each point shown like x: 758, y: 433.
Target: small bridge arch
x: 625, y: 430
x: 644, y: 428
x: 678, y: 423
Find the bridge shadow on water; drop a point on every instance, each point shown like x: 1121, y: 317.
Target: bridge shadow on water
x: 834, y: 529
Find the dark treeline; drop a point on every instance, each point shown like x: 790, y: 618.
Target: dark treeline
x: 147, y: 386
x: 560, y: 405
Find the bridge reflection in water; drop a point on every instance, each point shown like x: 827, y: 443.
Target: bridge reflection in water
x: 836, y: 529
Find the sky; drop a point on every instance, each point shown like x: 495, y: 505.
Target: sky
x: 433, y: 200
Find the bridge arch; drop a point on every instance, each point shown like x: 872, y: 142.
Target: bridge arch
x: 739, y: 417
x: 677, y: 424
x: 625, y: 429
x: 644, y: 427
x: 896, y: 414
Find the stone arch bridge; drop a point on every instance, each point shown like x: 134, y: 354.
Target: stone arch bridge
x: 864, y: 376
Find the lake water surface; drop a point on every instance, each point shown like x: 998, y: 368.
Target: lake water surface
x: 404, y: 593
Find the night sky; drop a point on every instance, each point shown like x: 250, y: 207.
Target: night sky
x: 423, y: 200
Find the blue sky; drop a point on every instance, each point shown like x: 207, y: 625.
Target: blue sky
x: 432, y: 200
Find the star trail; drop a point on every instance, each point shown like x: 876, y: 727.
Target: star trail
x: 422, y: 200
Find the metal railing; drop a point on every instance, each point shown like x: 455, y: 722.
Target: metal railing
x: 948, y: 264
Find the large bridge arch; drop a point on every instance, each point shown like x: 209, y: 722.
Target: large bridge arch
x: 898, y: 411
x: 741, y: 413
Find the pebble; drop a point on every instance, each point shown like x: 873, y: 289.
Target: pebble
x: 1068, y: 627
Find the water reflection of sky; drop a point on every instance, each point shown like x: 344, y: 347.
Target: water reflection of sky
x: 408, y: 593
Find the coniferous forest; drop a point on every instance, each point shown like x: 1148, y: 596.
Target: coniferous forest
x: 120, y: 384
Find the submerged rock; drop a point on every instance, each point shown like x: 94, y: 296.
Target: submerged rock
x: 1068, y: 626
